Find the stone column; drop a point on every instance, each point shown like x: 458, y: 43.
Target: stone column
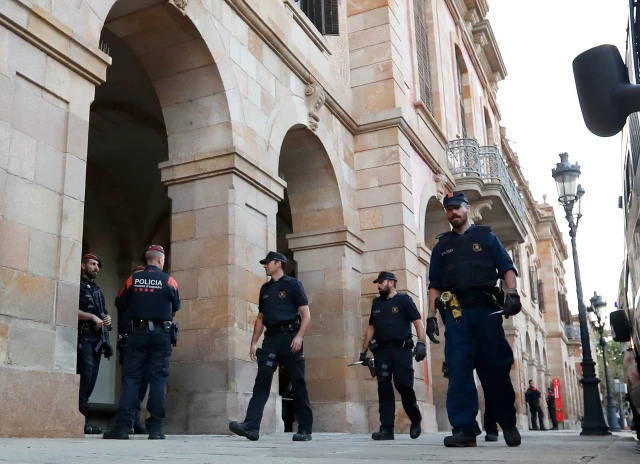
x: 44, y: 114
x: 223, y: 222
x: 329, y: 268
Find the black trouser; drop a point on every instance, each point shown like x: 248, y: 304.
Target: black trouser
x: 87, y: 366
x: 396, y: 363
x: 552, y: 416
x: 142, y: 392
x: 147, y: 352
x: 536, y: 410
x: 276, y: 349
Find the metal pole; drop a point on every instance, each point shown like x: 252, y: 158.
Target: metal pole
x: 611, y: 406
x: 620, y: 396
x: 593, y: 420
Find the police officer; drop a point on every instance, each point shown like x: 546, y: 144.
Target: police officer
x: 151, y: 299
x: 124, y: 328
x: 283, y: 309
x: 467, y: 262
x: 392, y: 314
x: 551, y: 406
x: 90, y: 325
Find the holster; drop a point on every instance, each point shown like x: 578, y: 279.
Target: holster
x: 173, y: 333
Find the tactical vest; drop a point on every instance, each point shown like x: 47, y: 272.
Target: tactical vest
x: 280, y: 305
x: 390, y: 322
x: 91, y: 299
x: 466, y: 260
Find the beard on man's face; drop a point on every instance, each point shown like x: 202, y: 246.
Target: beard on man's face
x: 458, y: 219
x: 384, y: 292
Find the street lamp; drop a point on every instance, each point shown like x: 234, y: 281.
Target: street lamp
x: 566, y: 176
x: 596, y: 305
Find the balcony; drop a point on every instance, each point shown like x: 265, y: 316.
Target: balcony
x: 481, y: 173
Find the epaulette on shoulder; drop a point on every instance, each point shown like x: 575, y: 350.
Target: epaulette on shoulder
x: 483, y: 228
x: 439, y: 236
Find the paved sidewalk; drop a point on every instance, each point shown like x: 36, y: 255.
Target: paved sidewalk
x: 537, y: 447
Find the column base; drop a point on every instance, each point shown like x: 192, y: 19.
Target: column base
x: 339, y: 417
x: 402, y: 422
x: 28, y: 411
x: 209, y: 413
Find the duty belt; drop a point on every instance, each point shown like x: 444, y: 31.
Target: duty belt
x: 396, y: 344
x: 481, y: 297
x: 280, y: 328
x: 150, y: 325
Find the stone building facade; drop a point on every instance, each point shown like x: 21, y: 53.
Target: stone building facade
x: 328, y: 130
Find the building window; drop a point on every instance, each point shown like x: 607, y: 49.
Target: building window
x: 324, y: 14
x: 533, y: 283
x: 422, y: 48
x: 516, y: 260
x: 460, y: 72
x: 541, y: 296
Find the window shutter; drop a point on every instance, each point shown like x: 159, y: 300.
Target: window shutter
x: 326, y: 16
x: 422, y: 48
x: 541, y: 296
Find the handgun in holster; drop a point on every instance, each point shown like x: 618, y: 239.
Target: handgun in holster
x: 173, y: 333
x: 370, y: 364
x: 450, y: 301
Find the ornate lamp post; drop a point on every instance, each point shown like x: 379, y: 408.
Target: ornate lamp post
x: 566, y: 176
x: 596, y: 305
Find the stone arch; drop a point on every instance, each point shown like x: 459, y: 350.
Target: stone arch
x: 435, y: 222
x: 538, y: 352
x: 430, y: 192
x: 291, y: 114
x: 184, y: 57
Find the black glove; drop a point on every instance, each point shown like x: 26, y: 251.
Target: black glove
x: 432, y: 328
x: 420, y: 351
x: 363, y: 358
x: 512, y: 305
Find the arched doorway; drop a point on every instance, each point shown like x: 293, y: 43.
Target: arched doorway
x: 312, y: 232
x: 163, y: 101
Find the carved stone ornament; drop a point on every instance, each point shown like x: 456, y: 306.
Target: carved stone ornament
x: 180, y: 4
x: 478, y: 208
x: 315, y: 99
x: 440, y: 181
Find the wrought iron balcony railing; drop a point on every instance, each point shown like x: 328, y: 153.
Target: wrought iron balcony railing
x: 468, y: 159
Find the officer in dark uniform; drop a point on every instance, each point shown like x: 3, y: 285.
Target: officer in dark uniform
x: 551, y: 406
x: 466, y: 263
x: 390, y: 322
x: 151, y: 299
x: 124, y: 328
x: 90, y: 325
x: 283, y: 309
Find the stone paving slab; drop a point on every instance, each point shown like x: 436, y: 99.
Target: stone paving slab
x: 537, y: 447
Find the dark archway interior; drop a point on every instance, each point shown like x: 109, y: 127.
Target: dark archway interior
x: 435, y: 222
x: 126, y: 204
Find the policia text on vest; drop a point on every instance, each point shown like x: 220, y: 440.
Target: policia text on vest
x: 284, y: 312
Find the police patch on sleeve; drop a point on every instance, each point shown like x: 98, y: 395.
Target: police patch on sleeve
x: 477, y: 247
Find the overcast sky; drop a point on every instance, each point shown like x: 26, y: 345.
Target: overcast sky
x: 540, y: 110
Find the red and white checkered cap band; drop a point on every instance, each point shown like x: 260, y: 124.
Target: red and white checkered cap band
x: 156, y: 248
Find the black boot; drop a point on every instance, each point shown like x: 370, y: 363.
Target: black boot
x: 139, y: 429
x: 460, y: 440
x: 302, y: 435
x: 383, y: 434
x: 115, y: 434
x: 415, y: 430
x: 156, y: 436
x: 492, y: 435
x: 512, y: 436
x: 91, y: 430
x: 242, y: 429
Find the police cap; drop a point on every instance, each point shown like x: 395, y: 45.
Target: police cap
x: 94, y: 257
x: 454, y: 199
x: 385, y: 275
x: 274, y: 256
x: 155, y: 248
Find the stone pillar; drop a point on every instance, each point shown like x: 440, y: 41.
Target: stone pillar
x: 44, y: 114
x: 329, y: 268
x: 223, y: 222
